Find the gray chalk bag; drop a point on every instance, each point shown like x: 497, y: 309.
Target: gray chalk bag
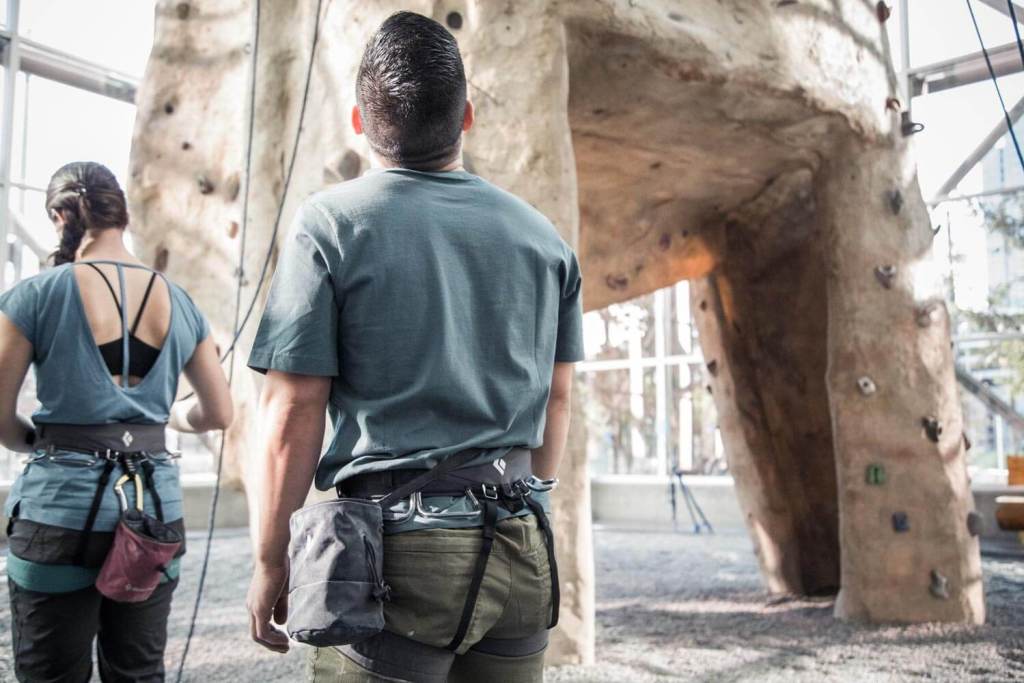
x: 336, y: 590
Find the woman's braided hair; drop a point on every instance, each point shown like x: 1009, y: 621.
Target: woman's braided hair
x: 88, y: 197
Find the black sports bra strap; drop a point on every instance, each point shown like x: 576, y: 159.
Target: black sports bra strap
x: 142, y: 306
x: 113, y: 294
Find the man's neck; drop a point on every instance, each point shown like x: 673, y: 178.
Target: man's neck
x: 455, y: 164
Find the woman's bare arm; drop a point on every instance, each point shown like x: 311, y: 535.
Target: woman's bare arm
x: 211, y: 409
x: 15, y: 359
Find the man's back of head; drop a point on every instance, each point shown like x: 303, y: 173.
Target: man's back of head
x: 411, y: 92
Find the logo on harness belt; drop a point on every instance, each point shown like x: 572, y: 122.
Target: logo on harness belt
x: 499, y: 465
x: 127, y: 439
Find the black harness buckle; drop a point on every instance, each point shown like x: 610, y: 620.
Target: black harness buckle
x: 489, y: 491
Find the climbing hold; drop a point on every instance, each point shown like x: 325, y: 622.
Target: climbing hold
x: 909, y: 127
x: 616, y: 281
x: 885, y: 275
x: 708, y: 387
x: 454, y: 20
x: 975, y: 523
x: 713, y: 367
x: 866, y: 385
x: 900, y: 522
x: 233, y: 229
x: 665, y: 241
x: 932, y: 428
x: 935, y: 230
x: 676, y: 16
x: 703, y: 305
x: 162, y: 257
x: 183, y: 10
x: 883, y: 11
x: 896, y: 201
x: 186, y: 146
x: 939, y: 587
x: 928, y: 314
x: 785, y: 3
x: 205, y: 185
x: 967, y: 442
x: 168, y: 107
x: 874, y: 475
x: 232, y: 186
x: 893, y: 104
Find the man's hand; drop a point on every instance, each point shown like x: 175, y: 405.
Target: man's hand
x: 293, y: 412
x: 268, y: 604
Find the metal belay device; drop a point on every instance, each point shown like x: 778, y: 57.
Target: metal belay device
x: 142, y: 549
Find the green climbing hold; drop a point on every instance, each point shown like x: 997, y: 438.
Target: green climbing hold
x: 875, y: 475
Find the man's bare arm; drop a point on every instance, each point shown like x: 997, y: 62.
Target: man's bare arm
x: 548, y: 457
x: 292, y: 412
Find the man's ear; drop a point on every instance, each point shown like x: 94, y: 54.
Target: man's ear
x: 469, y: 117
x: 357, y: 120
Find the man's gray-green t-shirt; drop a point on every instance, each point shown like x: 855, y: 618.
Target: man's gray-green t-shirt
x: 437, y: 302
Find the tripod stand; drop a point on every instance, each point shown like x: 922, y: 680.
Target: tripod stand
x: 697, y: 517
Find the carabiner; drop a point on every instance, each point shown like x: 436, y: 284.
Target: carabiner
x: 119, y: 490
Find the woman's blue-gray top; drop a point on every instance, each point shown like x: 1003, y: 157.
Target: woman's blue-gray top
x: 74, y: 386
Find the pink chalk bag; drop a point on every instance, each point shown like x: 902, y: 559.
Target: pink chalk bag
x: 143, y: 548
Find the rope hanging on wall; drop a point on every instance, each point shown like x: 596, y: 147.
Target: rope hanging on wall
x: 239, y: 321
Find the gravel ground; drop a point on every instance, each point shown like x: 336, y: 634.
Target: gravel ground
x: 671, y: 607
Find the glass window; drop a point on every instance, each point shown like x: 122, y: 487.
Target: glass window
x: 942, y: 29
x: 68, y: 124
x: 115, y: 33
x: 955, y: 122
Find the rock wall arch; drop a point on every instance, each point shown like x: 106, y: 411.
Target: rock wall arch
x: 751, y: 146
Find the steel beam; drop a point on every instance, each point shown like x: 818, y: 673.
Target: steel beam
x: 1001, y: 7
x: 964, y: 70
x: 10, y: 60
x: 991, y: 399
x: 46, y: 62
x: 979, y: 152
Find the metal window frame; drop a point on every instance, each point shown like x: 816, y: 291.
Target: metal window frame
x: 20, y: 55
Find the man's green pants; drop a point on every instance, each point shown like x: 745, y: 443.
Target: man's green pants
x: 429, y: 572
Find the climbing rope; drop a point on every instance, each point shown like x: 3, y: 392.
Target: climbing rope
x: 239, y: 321
x: 992, y: 72
x: 212, y: 515
x: 275, y: 230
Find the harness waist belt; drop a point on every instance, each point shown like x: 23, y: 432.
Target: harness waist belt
x: 118, y: 437
x: 513, y: 466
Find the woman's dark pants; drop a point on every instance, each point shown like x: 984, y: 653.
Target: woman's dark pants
x: 53, y: 635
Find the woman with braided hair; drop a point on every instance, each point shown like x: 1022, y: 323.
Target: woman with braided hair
x: 109, y: 338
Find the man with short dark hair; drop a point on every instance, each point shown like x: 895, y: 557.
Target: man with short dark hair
x: 436, y: 318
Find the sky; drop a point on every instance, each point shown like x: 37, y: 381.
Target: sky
x: 65, y: 124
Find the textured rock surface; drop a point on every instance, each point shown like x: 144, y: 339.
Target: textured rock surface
x: 744, y: 144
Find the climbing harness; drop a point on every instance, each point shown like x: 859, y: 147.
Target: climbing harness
x: 143, y: 545
x: 336, y: 589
